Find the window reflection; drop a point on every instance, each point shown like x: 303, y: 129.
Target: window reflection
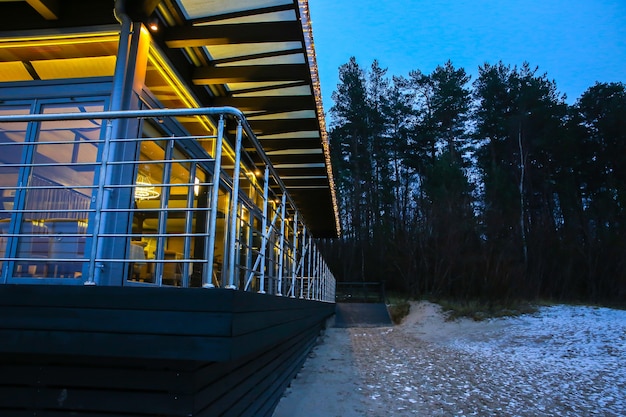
x: 169, y: 216
x: 57, y: 163
x: 12, y: 137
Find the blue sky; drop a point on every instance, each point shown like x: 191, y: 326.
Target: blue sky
x: 576, y: 42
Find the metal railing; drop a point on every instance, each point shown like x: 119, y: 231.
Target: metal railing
x: 58, y: 227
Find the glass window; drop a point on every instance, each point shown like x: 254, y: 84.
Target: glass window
x: 170, y: 215
x: 12, y: 138
x: 58, y: 169
x: 148, y: 195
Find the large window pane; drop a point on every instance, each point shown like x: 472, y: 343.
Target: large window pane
x: 12, y: 138
x: 56, y: 205
x: 148, y: 195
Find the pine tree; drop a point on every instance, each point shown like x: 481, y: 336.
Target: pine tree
x: 349, y: 144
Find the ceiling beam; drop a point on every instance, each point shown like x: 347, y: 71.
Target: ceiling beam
x: 272, y: 54
x: 250, y: 73
x: 48, y: 9
x: 20, y: 15
x: 273, y: 87
x: 277, y: 126
x: 269, y: 103
x: 296, y: 159
x: 244, y: 13
x: 142, y: 9
x: 228, y: 34
x: 282, y: 144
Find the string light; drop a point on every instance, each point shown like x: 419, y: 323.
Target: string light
x: 307, y: 29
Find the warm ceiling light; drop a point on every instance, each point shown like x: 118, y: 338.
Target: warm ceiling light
x: 153, y: 25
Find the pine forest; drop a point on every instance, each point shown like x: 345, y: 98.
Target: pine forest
x: 493, y: 188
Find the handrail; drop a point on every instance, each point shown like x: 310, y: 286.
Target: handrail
x: 155, y: 113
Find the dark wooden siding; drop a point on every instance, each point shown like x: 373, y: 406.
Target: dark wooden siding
x: 155, y: 323
x: 75, y: 351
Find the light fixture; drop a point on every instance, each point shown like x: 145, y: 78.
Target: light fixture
x: 153, y: 24
x: 144, y: 190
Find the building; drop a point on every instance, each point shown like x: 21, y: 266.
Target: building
x: 164, y: 170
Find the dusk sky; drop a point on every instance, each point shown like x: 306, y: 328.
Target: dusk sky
x: 576, y: 42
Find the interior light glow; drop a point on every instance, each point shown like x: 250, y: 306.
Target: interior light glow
x: 144, y: 189
x: 163, y: 68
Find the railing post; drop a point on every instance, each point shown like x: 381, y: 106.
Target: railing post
x: 234, y: 209
x: 209, y: 251
x: 281, y: 250
x: 309, y: 274
x: 323, y: 283
x: 302, y: 262
x: 324, y: 277
x: 295, y: 255
x: 188, y: 267
x: 95, y: 270
x: 316, y: 272
x: 319, y: 273
x: 264, y: 232
x: 313, y: 282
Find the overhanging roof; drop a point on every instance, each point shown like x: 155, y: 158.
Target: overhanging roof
x: 260, y: 59
x: 255, y: 55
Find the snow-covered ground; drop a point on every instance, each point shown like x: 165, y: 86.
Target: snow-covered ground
x: 585, y: 339
x: 569, y: 346
x: 561, y: 361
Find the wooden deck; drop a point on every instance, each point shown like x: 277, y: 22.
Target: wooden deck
x: 111, y: 351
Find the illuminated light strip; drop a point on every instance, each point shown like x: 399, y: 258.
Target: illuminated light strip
x: 302, y: 177
x: 314, y: 151
x: 307, y: 187
x: 307, y: 29
x: 159, y: 62
x: 299, y: 166
x: 162, y: 66
x: 65, y: 39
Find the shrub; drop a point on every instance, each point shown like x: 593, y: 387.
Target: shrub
x: 398, y: 310
x: 481, y: 310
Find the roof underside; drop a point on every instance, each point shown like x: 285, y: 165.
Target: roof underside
x: 255, y: 55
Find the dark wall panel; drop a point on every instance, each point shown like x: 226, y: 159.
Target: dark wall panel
x: 65, y: 385
x: 155, y: 323
x: 220, y: 353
